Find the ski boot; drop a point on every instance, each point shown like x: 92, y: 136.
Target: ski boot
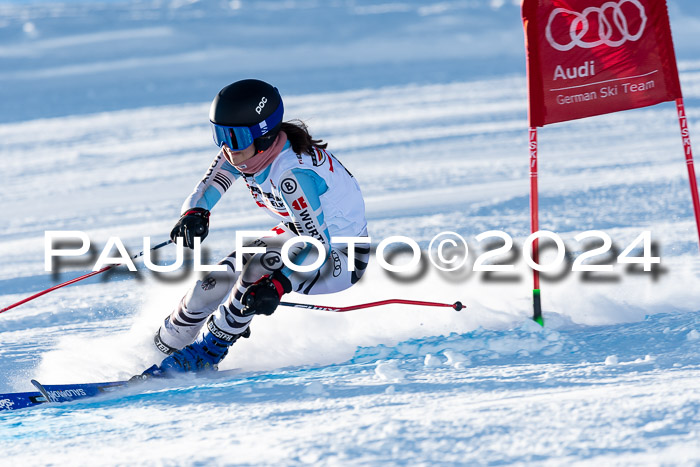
x: 160, y: 345
x: 204, y: 354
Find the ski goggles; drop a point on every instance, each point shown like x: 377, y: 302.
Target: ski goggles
x: 240, y: 137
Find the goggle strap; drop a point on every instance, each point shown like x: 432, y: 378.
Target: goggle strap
x: 270, y: 122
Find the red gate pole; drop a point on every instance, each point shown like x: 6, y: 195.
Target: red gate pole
x: 688, y: 150
x: 534, y: 227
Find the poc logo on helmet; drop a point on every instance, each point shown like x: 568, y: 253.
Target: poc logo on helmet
x: 261, y: 105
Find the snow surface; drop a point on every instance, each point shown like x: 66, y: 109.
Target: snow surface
x: 103, y: 128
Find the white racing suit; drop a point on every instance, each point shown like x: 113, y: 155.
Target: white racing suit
x: 309, y: 195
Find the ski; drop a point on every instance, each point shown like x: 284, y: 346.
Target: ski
x: 20, y: 400
x: 55, y: 393
x: 71, y: 392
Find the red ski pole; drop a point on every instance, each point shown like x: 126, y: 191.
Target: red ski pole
x: 456, y: 305
x: 77, y: 279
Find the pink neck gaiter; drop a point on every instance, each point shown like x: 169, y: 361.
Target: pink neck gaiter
x: 262, y: 159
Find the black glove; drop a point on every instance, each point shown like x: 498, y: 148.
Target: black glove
x: 263, y: 297
x: 193, y: 223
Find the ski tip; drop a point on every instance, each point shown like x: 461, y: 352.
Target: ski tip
x: 42, y: 390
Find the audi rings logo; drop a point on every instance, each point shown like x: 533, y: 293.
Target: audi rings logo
x: 593, y: 26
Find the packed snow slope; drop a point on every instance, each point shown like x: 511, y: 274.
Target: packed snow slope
x: 104, y: 129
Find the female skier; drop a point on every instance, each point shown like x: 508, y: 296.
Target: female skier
x: 302, y: 186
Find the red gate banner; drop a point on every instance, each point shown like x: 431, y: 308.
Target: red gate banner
x: 592, y: 57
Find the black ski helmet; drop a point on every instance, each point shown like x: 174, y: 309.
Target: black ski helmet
x: 250, y: 103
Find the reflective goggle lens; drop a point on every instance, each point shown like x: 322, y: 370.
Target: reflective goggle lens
x: 235, y: 137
